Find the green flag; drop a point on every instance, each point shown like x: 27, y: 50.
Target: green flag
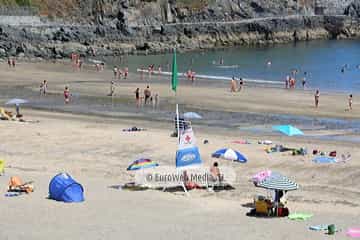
x: 174, y: 78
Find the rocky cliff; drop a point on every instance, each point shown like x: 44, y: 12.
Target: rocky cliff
x: 114, y: 27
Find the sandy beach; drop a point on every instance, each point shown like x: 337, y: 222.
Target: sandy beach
x: 85, y: 139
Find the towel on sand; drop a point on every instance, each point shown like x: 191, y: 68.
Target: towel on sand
x: 300, y: 216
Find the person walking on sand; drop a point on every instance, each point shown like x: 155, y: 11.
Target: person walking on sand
x: 66, y: 95
x: 9, y: 62
x: 350, y: 101
x: 13, y: 62
x: 317, y: 98
x: 137, y: 97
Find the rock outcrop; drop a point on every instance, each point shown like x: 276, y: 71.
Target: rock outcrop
x: 133, y: 27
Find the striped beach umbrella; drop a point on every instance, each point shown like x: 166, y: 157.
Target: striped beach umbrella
x: 278, y: 182
x: 142, y: 164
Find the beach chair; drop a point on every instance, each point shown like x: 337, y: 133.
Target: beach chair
x: 142, y: 179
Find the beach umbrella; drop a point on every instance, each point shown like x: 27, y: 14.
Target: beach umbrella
x: 142, y: 164
x: 277, y: 182
x: 16, y: 101
x: 324, y: 159
x: 229, y: 154
x: 288, y: 130
x: 192, y: 115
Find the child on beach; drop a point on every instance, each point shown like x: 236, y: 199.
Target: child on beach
x: 66, y: 95
x: 241, y: 84
x: 317, y: 97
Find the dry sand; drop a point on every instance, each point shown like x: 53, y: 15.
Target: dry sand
x: 96, y: 152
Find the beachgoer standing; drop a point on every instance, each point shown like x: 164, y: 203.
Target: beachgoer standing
x: 193, y: 77
x: 137, y: 97
x: 9, y: 62
x: 350, y: 101
x: 41, y: 88
x: 147, y: 94
x: 115, y: 69
x: 233, y: 85
x: 44, y: 87
x: 126, y: 72
x: 80, y: 62
x: 303, y: 82
x: 112, y: 89
x: 241, y: 84
x: 66, y: 95
x: 287, y: 82
x: 13, y: 62
x: 156, y: 101
x: 317, y: 98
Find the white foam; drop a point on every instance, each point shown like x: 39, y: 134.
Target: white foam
x: 214, y: 77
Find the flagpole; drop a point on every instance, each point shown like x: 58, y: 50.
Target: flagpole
x: 178, y: 122
x: 174, y: 82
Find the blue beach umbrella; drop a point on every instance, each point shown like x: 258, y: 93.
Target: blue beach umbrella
x: 229, y: 154
x: 288, y: 130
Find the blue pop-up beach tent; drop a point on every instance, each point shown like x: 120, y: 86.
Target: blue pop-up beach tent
x: 65, y: 189
x: 288, y: 130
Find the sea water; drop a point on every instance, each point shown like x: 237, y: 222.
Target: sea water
x: 331, y: 65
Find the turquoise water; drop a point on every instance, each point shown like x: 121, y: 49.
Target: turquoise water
x: 322, y: 60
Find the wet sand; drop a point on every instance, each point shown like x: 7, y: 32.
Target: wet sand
x: 94, y: 149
